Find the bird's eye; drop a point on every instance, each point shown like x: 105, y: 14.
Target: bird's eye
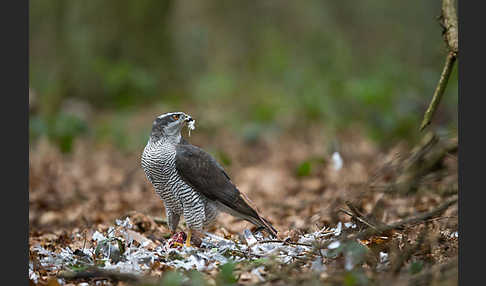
x: 176, y: 116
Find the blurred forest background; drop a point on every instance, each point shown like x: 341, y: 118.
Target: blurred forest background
x: 250, y: 67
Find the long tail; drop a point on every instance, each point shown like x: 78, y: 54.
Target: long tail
x: 261, y: 222
x: 245, y: 211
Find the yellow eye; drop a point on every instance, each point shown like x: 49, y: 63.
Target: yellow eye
x: 176, y: 116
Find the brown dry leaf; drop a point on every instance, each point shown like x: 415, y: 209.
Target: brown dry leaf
x: 142, y: 240
x: 375, y: 240
x: 87, y: 190
x: 53, y: 282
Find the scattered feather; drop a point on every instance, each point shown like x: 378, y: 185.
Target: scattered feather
x: 337, y: 161
x: 334, y: 245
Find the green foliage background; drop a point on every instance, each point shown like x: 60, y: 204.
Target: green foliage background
x: 247, y: 66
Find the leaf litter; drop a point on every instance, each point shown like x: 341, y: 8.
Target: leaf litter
x: 76, y: 223
x: 122, y: 249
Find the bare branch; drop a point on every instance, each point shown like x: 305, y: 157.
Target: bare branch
x: 449, y: 23
x: 412, y: 220
x: 95, y: 272
x: 405, y: 255
x: 439, y: 90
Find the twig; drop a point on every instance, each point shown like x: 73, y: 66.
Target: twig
x: 369, y: 220
x: 97, y: 273
x: 384, y: 228
x: 439, y: 90
x: 358, y: 218
x: 412, y: 220
x: 408, y: 253
x: 436, y: 218
x: 424, y: 159
x: 244, y: 255
x: 159, y: 220
x: 280, y: 241
x: 439, y: 270
x: 449, y: 23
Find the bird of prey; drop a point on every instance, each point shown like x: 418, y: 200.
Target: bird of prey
x: 190, y: 181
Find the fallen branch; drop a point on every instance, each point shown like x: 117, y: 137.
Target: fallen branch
x: 412, y: 220
x: 425, y: 158
x: 95, y: 272
x: 159, y: 220
x: 408, y: 253
x: 421, y: 218
x: 442, y: 272
x: 353, y: 215
x: 280, y: 241
x: 437, y: 218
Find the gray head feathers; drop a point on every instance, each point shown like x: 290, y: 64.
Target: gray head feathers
x: 169, y: 125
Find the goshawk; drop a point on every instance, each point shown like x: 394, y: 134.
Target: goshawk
x: 190, y: 182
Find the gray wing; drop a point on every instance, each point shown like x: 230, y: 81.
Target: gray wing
x: 203, y: 173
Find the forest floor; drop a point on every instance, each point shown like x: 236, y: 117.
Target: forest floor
x: 381, y: 218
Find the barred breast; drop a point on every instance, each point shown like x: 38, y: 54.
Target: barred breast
x: 158, y: 162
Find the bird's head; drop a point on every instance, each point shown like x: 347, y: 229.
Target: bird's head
x: 169, y: 126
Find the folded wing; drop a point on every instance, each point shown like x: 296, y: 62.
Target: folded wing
x: 204, y: 174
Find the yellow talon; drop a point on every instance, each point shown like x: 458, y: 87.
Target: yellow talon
x: 178, y: 244
x: 188, y: 240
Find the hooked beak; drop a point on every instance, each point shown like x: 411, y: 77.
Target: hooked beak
x: 190, y: 123
x: 188, y: 118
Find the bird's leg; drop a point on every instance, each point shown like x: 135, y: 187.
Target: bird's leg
x: 194, y: 218
x: 194, y: 237
x: 188, y: 239
x: 172, y: 220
